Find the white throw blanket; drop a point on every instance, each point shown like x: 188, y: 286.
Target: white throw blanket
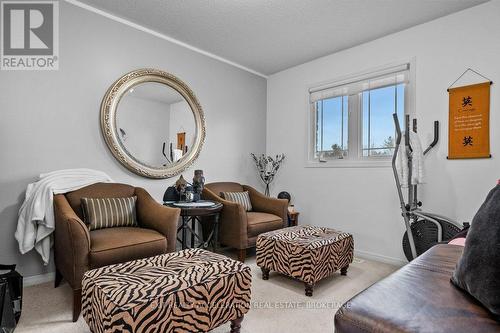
x: 417, y: 172
x: 36, y: 216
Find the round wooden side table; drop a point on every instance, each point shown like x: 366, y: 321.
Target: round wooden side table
x: 192, y: 212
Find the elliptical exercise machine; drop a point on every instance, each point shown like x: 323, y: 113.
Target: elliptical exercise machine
x: 423, y: 229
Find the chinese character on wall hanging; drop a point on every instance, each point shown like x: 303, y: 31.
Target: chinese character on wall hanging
x: 469, y: 121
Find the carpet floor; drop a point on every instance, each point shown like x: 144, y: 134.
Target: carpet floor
x: 278, y: 304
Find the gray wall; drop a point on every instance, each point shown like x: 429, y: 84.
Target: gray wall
x: 50, y: 120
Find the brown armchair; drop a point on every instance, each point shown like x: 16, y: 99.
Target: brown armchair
x: 238, y: 228
x: 77, y: 250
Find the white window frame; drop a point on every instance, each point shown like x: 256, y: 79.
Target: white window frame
x: 354, y: 123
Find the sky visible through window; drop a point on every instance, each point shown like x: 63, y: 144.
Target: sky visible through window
x: 378, y: 105
x: 332, y: 123
x: 378, y: 125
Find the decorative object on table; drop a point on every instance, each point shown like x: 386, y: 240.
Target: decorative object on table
x: 11, y: 294
x: 268, y: 167
x: 307, y: 262
x: 198, y: 183
x: 469, y: 119
x: 188, y: 194
x: 180, y: 186
x: 171, y: 194
x: 285, y: 195
x: 188, y: 291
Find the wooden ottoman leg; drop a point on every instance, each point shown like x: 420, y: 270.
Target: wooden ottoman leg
x: 265, y: 273
x: 343, y: 270
x: 242, y: 253
x: 309, y: 289
x: 236, y: 325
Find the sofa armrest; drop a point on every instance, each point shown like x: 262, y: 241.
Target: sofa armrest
x: 233, y: 226
x: 262, y: 203
x: 153, y: 215
x: 72, y: 242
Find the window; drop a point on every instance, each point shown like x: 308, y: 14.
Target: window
x: 378, y: 106
x: 331, y: 127
x: 352, y: 120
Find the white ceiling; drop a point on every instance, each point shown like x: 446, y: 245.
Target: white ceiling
x: 268, y: 36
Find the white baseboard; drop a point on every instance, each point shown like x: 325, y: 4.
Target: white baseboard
x: 39, y: 279
x: 380, y: 257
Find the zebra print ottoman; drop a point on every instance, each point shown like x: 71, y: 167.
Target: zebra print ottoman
x: 306, y: 253
x: 188, y: 291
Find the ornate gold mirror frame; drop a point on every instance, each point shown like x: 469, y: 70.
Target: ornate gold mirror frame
x: 109, y: 107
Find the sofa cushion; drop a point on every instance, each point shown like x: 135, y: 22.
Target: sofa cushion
x: 478, y: 270
x: 242, y: 198
x: 262, y: 222
x: 100, y: 213
x: 120, y: 244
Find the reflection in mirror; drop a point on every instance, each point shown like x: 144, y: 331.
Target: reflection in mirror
x: 155, y: 124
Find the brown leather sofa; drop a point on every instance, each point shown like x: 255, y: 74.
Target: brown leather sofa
x: 76, y: 249
x: 238, y: 228
x: 417, y: 298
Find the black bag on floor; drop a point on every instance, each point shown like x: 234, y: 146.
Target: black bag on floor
x: 11, y: 294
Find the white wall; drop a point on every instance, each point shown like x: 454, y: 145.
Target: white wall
x: 50, y: 120
x: 363, y: 201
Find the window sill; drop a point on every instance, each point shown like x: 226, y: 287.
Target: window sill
x: 368, y: 163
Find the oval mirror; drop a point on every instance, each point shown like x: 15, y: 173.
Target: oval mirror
x: 152, y: 123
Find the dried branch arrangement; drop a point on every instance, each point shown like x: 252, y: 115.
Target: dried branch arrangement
x: 268, y: 167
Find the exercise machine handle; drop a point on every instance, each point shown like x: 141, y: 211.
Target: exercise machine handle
x: 436, y: 137
x: 398, y: 128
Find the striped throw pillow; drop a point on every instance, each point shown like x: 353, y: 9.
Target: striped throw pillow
x: 242, y: 198
x: 100, y: 213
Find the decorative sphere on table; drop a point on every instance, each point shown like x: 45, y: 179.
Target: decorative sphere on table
x: 285, y: 195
